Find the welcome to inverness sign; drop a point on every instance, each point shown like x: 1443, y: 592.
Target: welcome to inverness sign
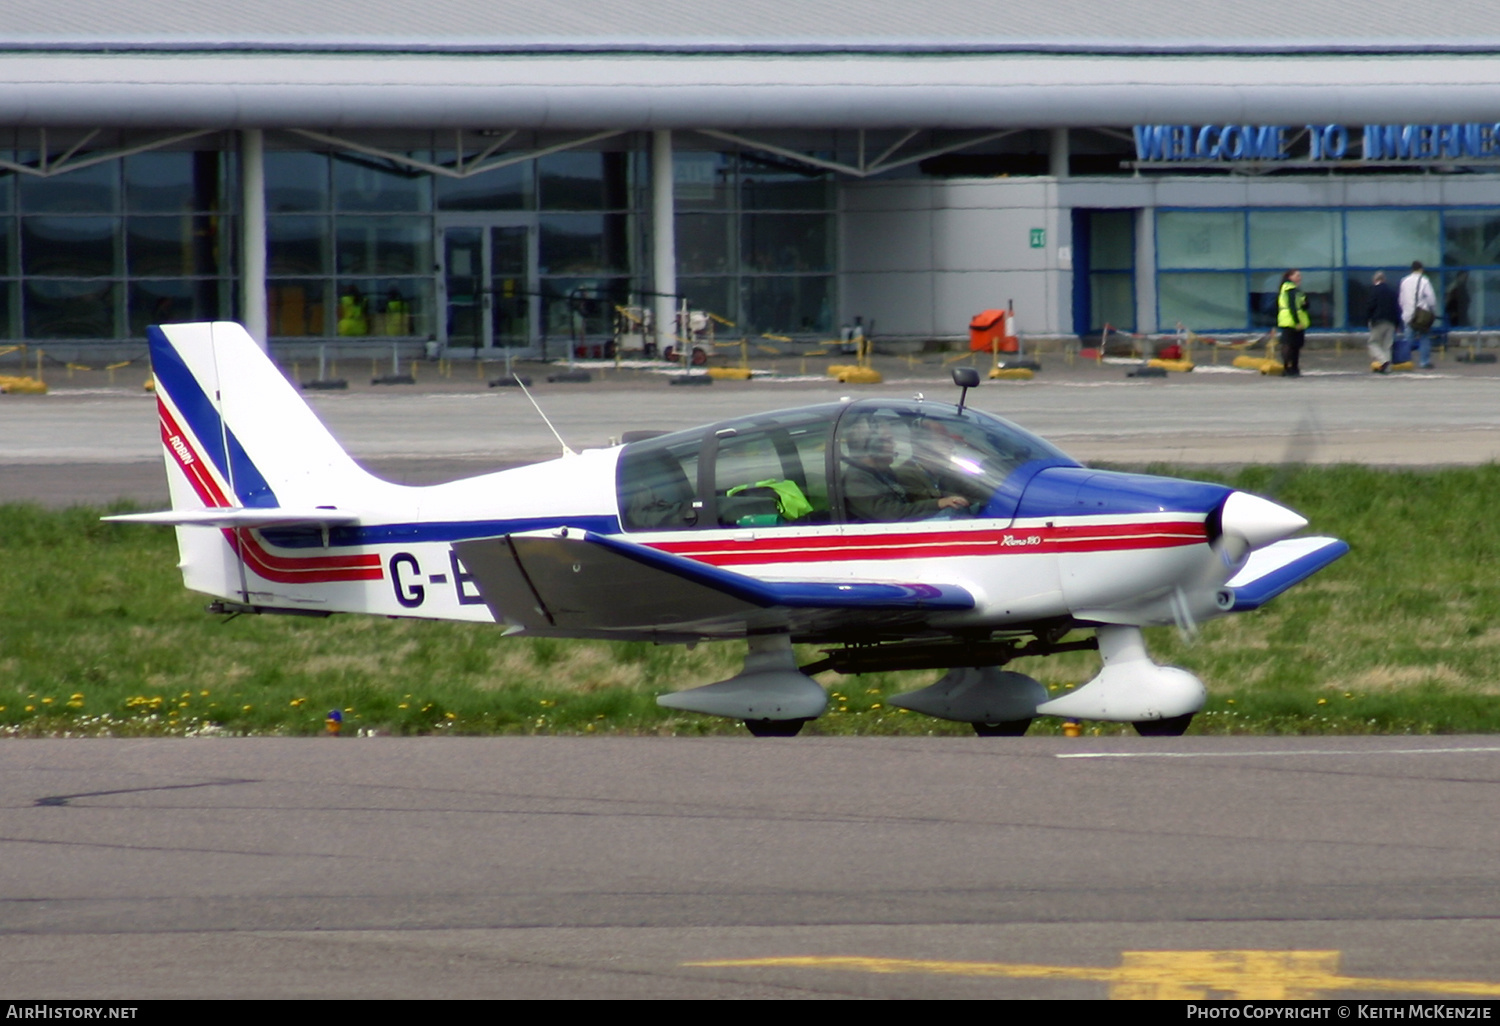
x: 1168, y: 144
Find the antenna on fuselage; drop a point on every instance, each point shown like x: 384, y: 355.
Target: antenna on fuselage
x: 537, y: 406
x: 965, y: 378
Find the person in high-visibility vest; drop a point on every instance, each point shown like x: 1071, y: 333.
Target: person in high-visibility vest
x: 397, y: 313
x: 354, y: 313
x: 1291, y: 322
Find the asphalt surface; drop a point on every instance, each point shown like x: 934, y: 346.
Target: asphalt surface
x: 88, y: 442
x: 573, y: 867
x: 868, y: 867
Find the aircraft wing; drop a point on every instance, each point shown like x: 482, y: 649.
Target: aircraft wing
x: 1273, y: 569
x: 576, y: 582
x: 240, y: 516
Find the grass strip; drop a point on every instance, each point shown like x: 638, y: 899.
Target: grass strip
x: 98, y: 637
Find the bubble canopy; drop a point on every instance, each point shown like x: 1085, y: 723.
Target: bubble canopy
x: 870, y: 461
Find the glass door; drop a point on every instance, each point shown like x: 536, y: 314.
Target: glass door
x: 489, y: 284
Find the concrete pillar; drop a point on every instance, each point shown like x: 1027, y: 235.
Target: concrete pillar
x: 253, y: 233
x: 663, y: 238
x: 1057, y: 153
x: 1145, y: 271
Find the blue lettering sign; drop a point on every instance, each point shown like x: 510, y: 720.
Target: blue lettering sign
x: 1335, y: 142
x: 1262, y: 143
x: 1148, y: 142
x: 1376, y: 143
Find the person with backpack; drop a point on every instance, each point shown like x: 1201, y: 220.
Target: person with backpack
x: 1418, y: 311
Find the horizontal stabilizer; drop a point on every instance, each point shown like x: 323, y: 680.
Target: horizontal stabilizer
x: 572, y: 580
x: 240, y: 516
x: 1273, y: 569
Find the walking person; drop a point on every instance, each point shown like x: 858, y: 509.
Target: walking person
x: 1418, y: 311
x: 1292, y: 321
x: 1382, y: 312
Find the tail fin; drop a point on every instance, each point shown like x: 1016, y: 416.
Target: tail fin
x: 238, y: 429
x: 243, y: 451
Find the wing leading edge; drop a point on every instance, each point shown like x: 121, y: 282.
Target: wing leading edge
x: 576, y: 582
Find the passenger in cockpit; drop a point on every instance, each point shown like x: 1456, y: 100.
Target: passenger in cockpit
x: 875, y: 492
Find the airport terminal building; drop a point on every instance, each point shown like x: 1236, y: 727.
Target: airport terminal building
x: 508, y: 175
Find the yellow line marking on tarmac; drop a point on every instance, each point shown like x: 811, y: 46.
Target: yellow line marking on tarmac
x: 1153, y: 975
x: 1289, y: 751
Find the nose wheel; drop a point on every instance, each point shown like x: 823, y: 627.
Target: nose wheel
x: 1172, y: 726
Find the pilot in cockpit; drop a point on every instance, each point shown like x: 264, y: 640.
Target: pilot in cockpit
x: 877, y: 492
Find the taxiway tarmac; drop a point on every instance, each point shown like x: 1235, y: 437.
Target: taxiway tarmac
x: 722, y: 867
x: 553, y: 867
x: 97, y: 444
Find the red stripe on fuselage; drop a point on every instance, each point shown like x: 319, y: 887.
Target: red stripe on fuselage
x: 832, y: 548
x: 283, y: 570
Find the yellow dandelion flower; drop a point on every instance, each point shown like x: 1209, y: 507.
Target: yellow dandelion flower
x: 77, y: 696
x: 46, y: 701
x: 203, y: 693
x: 31, y: 708
x: 1322, y: 701
x: 403, y: 705
x: 246, y: 708
x: 451, y: 716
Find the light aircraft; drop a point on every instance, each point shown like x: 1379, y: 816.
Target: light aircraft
x: 901, y: 534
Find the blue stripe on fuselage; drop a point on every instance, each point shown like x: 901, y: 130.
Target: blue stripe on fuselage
x: 198, y: 410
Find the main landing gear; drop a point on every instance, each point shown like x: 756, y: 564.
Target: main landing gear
x: 774, y: 728
x: 775, y: 699
x: 997, y: 702
x: 770, y: 694
x: 1007, y: 728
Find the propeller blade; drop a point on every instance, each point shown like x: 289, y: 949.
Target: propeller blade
x: 1182, y: 616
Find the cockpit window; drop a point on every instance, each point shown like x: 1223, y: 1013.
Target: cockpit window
x: 772, y: 471
x: 765, y: 471
x: 913, y: 462
x: 658, y: 483
x: 893, y: 461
